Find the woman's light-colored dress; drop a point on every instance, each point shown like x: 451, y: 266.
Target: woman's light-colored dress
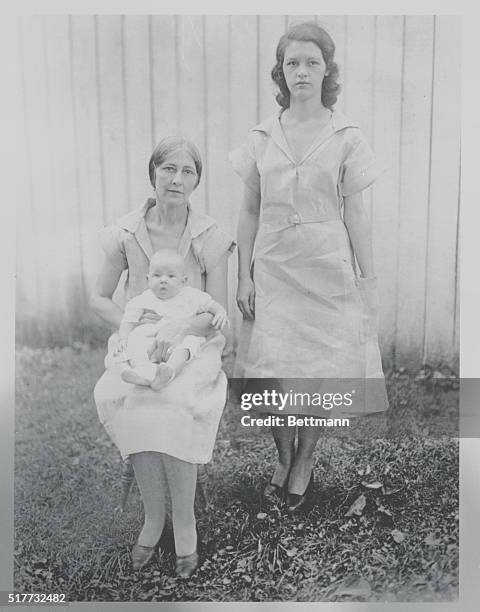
x: 181, y: 419
x: 311, y: 319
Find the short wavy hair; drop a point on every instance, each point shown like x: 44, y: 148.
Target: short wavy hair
x: 308, y: 32
x: 169, y: 145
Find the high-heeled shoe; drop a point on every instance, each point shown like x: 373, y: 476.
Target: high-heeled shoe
x: 186, y: 566
x: 296, y: 502
x: 141, y: 555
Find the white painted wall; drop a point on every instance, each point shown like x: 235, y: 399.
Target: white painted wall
x: 99, y: 91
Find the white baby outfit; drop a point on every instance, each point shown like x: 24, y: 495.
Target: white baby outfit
x: 141, y: 341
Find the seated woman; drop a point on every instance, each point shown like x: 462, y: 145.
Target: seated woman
x: 166, y: 432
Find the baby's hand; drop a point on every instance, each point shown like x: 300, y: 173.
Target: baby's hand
x: 220, y: 319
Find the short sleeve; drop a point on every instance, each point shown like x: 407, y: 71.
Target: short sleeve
x: 244, y: 163
x: 213, y: 244
x: 111, y: 241
x: 360, y: 168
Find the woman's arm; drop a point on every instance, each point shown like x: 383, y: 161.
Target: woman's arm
x: 360, y: 233
x: 125, y: 329
x: 216, y: 284
x: 217, y: 287
x: 101, y: 297
x: 247, y: 231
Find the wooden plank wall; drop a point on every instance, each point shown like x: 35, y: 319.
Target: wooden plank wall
x: 99, y: 91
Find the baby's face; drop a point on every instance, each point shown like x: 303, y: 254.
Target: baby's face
x: 165, y: 279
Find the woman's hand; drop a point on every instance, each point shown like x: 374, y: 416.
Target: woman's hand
x: 220, y: 318
x: 149, y: 316
x: 246, y: 298
x: 172, y: 333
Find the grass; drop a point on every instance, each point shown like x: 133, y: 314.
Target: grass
x: 402, y: 545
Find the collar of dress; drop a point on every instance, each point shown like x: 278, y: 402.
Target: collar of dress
x: 134, y: 222
x: 272, y: 127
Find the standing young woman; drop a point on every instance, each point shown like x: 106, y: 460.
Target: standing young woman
x: 302, y: 225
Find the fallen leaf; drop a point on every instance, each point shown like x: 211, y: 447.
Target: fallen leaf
x: 430, y: 540
x: 357, y: 506
x: 372, y: 485
x: 397, y: 535
x: 388, y: 491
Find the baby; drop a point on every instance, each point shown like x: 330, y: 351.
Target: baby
x: 168, y: 296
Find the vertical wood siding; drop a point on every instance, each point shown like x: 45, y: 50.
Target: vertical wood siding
x: 98, y: 92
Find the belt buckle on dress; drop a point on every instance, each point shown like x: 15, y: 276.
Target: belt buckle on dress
x: 294, y: 219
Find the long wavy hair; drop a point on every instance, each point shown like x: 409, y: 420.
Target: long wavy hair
x: 308, y: 32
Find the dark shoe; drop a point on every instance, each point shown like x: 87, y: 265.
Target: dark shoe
x: 141, y: 555
x: 186, y: 566
x: 296, y: 502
